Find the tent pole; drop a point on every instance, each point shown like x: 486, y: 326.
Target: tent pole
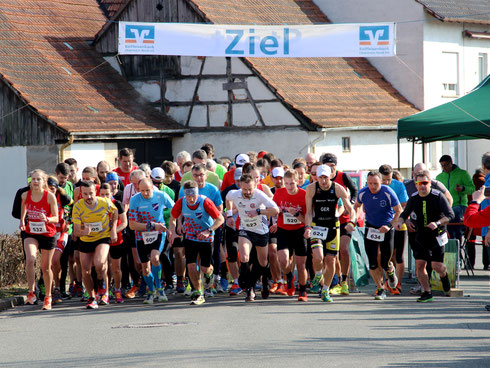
x: 423, y: 152
x: 398, y: 148
x: 413, y: 154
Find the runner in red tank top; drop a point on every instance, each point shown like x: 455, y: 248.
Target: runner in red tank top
x: 41, y: 210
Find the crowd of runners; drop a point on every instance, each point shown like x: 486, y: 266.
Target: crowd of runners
x: 243, y: 225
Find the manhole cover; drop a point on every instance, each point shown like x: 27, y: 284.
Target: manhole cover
x: 155, y: 325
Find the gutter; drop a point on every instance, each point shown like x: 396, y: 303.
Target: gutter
x: 361, y: 128
x: 112, y: 132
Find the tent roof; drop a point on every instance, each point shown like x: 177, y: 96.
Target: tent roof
x: 467, y: 117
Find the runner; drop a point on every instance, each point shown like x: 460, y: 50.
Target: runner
x: 63, y: 200
x: 41, y: 209
x: 346, y: 182
x: 228, y: 179
x: 200, y: 157
x: 400, y: 238
x: 290, y: 230
x: 116, y: 249
x: 200, y: 218
x: 146, y: 218
x: 301, y: 168
x: 126, y: 165
x: 431, y: 214
x: 382, y: 210
x: 323, y: 226
x: 95, y: 223
x: 253, y: 208
x: 181, y: 158
x: 72, y: 163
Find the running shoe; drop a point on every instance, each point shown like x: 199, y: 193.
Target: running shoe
x: 78, y: 291
x: 92, y: 303
x: 132, y: 292
x: 218, y: 287
x: 281, y: 290
x: 208, y: 282
x: 195, y: 294
x: 102, y: 288
x: 111, y: 295
x: 425, y: 297
x: 399, y: 288
x: 336, y: 290
x: 391, y: 290
x: 223, y: 283
x: 71, y: 290
x: 31, y: 298
x: 85, y: 296
x: 392, y: 279
x: 487, y: 307
x: 273, y: 288
x: 446, y: 284
x: 344, y: 290
x: 265, y: 292
x: 303, y: 297
x: 161, y: 296
x: 180, y: 287
x: 198, y: 300
x: 149, y: 298
x: 258, y: 286
x: 208, y: 293
x: 380, y: 294
x: 213, y: 289
x: 188, y: 289
x: 142, y: 289
x: 235, y: 290
x: 118, y: 296
x: 290, y: 287
x: 47, y: 303
x: 417, y: 290
x: 316, y: 284
x: 326, y: 296
x: 104, y: 300
x: 250, y: 295
x: 169, y: 289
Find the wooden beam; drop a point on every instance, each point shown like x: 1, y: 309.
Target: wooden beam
x: 209, y: 103
x: 230, y: 93
x: 194, y: 96
x: 234, y: 85
x: 254, y: 106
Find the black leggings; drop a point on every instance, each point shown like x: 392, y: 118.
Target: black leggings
x: 385, y: 247
x: 400, y: 241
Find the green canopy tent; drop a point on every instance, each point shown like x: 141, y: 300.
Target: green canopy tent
x: 467, y: 117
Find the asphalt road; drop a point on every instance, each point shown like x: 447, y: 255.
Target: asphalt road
x: 355, y: 330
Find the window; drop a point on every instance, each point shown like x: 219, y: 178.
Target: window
x: 345, y: 144
x: 482, y: 66
x: 450, y: 74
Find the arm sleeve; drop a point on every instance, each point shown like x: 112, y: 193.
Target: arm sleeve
x: 75, y: 217
x: 177, y: 209
x: 475, y: 218
x: 65, y: 200
x: 119, y: 207
x: 350, y: 185
x: 469, y: 186
x: 211, y: 209
x: 445, y: 207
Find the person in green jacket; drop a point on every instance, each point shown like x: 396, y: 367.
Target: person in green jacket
x: 459, y: 184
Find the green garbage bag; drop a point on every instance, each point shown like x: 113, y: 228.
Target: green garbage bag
x: 358, y: 257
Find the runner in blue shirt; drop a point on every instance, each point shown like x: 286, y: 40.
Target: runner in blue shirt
x: 382, y: 211
x: 147, y: 219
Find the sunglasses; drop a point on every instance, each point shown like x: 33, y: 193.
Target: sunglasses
x: 424, y: 182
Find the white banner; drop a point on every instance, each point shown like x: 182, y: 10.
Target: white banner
x: 196, y: 39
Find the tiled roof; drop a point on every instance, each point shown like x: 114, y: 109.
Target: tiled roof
x: 45, y: 56
x: 467, y: 11
x: 332, y: 92
x: 110, y: 7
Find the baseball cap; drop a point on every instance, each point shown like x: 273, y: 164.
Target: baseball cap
x: 242, y: 159
x: 111, y: 177
x: 157, y: 173
x: 238, y: 173
x: 261, y: 154
x: 277, y: 171
x: 323, y: 170
x: 329, y: 158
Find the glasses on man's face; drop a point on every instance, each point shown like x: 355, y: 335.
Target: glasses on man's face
x: 423, y: 182
x: 198, y: 175
x: 445, y: 164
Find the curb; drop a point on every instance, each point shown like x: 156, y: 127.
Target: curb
x: 11, y: 302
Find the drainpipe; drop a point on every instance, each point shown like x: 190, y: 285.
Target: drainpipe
x: 311, y: 145
x: 65, y: 146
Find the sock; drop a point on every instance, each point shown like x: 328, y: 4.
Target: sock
x: 289, y: 277
x: 280, y: 281
x: 344, y: 278
x: 243, y: 279
x: 101, y: 285
x: 302, y: 287
x: 223, y: 270
x: 150, y: 282
x: 326, y: 288
x: 318, y: 273
x: 157, y: 275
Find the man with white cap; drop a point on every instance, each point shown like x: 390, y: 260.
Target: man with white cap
x: 240, y: 160
x: 253, y: 208
x: 323, y: 226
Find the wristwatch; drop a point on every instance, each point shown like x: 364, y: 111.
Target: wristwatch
x: 258, y: 211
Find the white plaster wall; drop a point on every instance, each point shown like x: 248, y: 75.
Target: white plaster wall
x: 405, y: 70
x: 286, y: 144
x: 150, y: 90
x: 14, y: 162
x: 369, y: 149
x: 89, y: 154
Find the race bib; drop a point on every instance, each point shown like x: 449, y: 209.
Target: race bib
x: 250, y: 223
x: 375, y: 235
x: 290, y: 219
x: 95, y: 227
x: 38, y: 227
x: 442, y: 239
x: 318, y: 232
x: 150, y: 236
